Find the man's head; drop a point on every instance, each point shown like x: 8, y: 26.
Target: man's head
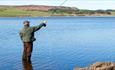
x: 26, y: 23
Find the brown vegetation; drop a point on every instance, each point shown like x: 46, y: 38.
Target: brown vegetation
x: 99, y: 66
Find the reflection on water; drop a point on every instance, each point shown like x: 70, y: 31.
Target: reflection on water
x: 27, y: 65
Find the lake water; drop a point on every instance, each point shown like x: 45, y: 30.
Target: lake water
x: 65, y: 43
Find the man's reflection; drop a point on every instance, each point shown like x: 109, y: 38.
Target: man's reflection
x: 27, y: 65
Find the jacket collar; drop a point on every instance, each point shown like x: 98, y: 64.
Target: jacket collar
x: 26, y: 26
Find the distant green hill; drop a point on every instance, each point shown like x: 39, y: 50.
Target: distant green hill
x: 38, y: 10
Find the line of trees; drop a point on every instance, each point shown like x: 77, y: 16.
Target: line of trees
x: 80, y: 11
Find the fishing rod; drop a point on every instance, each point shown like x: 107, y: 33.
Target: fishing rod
x: 63, y: 2
x: 59, y: 5
x: 52, y: 15
x: 55, y: 11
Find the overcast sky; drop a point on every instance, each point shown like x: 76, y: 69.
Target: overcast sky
x: 82, y: 4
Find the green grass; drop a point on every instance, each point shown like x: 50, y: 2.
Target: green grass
x: 113, y: 13
x: 14, y: 12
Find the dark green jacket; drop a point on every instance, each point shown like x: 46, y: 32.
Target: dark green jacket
x: 27, y: 33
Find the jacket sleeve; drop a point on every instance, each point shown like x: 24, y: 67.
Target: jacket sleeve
x: 35, y: 28
x: 21, y: 35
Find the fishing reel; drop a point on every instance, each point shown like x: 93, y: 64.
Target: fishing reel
x: 44, y: 22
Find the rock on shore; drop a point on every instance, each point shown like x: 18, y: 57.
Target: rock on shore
x: 99, y: 66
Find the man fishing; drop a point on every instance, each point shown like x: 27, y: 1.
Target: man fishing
x: 27, y: 37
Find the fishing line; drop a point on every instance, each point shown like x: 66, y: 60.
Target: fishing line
x: 45, y: 17
x: 52, y: 15
x: 59, y: 5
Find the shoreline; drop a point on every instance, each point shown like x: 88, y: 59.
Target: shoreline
x: 54, y: 16
x: 99, y: 66
x: 48, y: 11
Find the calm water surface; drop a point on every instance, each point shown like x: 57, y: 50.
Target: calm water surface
x: 65, y: 43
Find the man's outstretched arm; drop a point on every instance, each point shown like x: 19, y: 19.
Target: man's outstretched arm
x: 35, y: 28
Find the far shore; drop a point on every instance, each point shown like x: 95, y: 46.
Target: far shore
x: 40, y: 11
x: 50, y: 16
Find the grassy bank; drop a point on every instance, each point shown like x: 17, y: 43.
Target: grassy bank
x: 17, y: 12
